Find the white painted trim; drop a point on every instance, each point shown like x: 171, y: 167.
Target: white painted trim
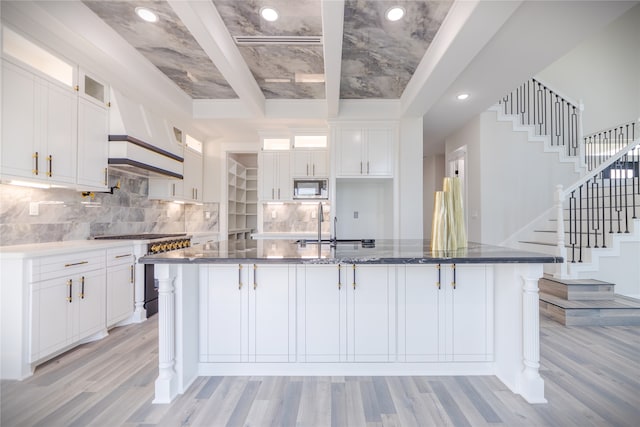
x: 332, y: 27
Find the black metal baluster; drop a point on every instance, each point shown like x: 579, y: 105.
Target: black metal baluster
x: 604, y: 227
x: 580, y: 223
x: 586, y: 187
x: 626, y: 193
x: 610, y: 200
x: 595, y: 214
x: 572, y: 239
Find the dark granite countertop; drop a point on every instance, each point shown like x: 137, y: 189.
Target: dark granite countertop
x: 385, y: 252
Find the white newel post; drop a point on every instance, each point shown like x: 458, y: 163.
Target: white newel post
x: 167, y: 381
x: 530, y: 383
x: 561, y: 268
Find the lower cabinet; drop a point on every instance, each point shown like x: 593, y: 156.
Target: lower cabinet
x: 445, y: 313
x: 346, y: 313
x: 120, y: 285
x: 66, y: 310
x: 247, y: 313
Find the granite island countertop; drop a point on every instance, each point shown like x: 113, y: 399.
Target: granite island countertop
x: 383, y: 252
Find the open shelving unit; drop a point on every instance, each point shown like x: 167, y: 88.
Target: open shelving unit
x: 242, y: 196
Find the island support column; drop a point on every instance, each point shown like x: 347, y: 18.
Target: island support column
x: 167, y: 381
x: 517, y: 329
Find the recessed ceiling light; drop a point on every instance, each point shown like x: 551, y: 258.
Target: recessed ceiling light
x: 269, y: 14
x: 394, y: 13
x: 462, y: 96
x: 146, y: 14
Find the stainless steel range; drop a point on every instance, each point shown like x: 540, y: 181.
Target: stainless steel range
x: 146, y: 292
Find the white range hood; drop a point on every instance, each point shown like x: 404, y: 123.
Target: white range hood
x: 140, y: 142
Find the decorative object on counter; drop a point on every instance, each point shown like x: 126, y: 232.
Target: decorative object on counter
x: 439, y: 223
x: 448, y: 231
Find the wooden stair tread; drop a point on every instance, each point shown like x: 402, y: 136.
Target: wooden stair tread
x: 570, y: 282
x: 618, y: 302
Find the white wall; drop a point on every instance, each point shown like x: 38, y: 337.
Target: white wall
x: 603, y: 72
x: 410, y: 179
x: 510, y: 180
x: 372, y: 199
x: 433, y: 168
x: 623, y: 270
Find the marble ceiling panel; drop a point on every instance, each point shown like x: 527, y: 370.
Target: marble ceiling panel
x: 167, y: 44
x: 278, y: 61
x: 378, y: 56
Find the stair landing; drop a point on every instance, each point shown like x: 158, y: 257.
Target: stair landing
x: 619, y: 311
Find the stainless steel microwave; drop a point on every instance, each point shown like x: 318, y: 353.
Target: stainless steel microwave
x: 305, y: 188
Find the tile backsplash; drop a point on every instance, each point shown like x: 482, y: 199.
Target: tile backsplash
x: 295, y: 218
x: 65, y: 215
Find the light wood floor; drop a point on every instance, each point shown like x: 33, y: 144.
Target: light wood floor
x: 592, y: 378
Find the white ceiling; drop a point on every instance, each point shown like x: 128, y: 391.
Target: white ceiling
x: 484, y: 48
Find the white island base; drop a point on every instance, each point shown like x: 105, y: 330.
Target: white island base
x: 366, y: 319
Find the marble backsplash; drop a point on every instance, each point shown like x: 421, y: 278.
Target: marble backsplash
x: 295, y: 218
x: 66, y: 215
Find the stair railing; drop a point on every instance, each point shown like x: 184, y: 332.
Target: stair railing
x: 599, y: 146
x: 601, y: 203
x: 550, y: 113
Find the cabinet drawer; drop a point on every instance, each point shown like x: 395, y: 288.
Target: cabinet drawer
x: 120, y: 255
x: 64, y: 265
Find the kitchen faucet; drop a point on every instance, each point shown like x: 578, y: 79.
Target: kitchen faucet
x: 334, y: 239
x: 320, y: 220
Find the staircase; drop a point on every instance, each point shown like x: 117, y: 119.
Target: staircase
x: 595, y: 222
x: 586, y: 302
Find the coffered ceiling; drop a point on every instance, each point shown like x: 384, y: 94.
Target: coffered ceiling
x: 378, y: 56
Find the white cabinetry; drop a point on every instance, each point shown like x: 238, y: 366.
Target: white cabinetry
x: 93, y: 133
x: 39, y: 127
x: 310, y: 163
x: 274, y: 176
x: 440, y: 321
x: 120, y: 284
x: 322, y: 330
x: 67, y: 301
x: 364, y: 150
x: 370, y: 313
x: 189, y: 189
x: 246, y: 314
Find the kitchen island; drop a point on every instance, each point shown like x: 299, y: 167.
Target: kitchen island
x: 282, y: 307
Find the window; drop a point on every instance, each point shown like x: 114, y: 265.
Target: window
x: 310, y: 141
x: 193, y: 143
x: 276, y: 143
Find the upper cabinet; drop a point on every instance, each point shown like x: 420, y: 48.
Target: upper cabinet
x: 39, y: 130
x: 310, y: 163
x: 49, y: 135
x: 365, y: 151
x: 274, y: 177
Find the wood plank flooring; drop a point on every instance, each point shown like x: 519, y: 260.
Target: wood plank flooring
x: 592, y: 378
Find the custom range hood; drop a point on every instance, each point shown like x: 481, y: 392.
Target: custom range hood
x: 140, y: 142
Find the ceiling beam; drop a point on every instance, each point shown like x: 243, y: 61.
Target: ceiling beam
x: 332, y: 28
x: 207, y: 27
x: 466, y: 30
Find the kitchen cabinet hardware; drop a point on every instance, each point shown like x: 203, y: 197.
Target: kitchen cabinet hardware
x: 82, y: 287
x: 439, y: 276
x: 122, y: 256
x: 313, y: 170
x: 354, y: 276
x: 367, y: 167
x: 35, y: 156
x: 239, y: 276
x: 255, y: 283
x: 453, y: 268
x: 76, y: 263
x: 360, y: 168
x: 132, y: 273
x: 76, y: 88
x: 106, y: 176
x: 307, y: 169
x: 50, y: 160
x: 339, y: 282
x: 70, y: 285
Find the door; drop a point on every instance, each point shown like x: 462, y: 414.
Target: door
x: 60, y: 131
x: 370, y: 300
x: 268, y: 170
x: 379, y: 159
x: 93, y: 145
x: 90, y: 296
x: 53, y: 313
x: 420, y: 313
x: 323, y: 317
x: 19, y: 123
x: 223, y: 300
x: 120, y: 293
x: 350, y: 151
x: 271, y: 313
